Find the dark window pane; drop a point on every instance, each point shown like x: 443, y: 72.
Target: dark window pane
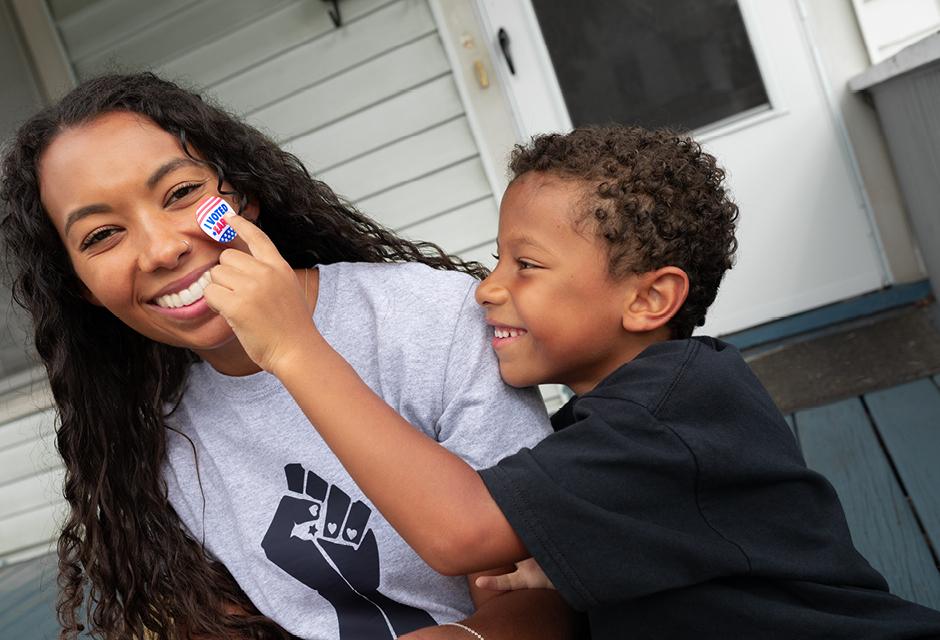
x: 678, y: 63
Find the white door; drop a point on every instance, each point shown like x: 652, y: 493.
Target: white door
x: 805, y: 234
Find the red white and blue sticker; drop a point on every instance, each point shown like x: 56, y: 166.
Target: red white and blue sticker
x: 209, y: 217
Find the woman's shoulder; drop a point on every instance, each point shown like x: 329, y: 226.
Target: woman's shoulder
x: 400, y: 283
x: 407, y: 272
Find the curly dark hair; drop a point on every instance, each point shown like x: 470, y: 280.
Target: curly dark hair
x: 123, y: 552
x: 655, y: 197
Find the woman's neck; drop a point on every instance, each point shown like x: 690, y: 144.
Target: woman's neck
x: 230, y: 359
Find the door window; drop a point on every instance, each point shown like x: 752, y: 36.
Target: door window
x: 679, y: 63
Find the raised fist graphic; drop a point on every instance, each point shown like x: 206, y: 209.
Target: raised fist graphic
x: 322, y: 539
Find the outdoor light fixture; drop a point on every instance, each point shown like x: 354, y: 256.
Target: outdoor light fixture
x: 334, y: 13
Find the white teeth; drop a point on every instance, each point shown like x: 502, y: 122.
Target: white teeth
x: 187, y: 296
x: 507, y: 333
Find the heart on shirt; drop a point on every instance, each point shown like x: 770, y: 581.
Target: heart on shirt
x: 331, y: 527
x: 351, y: 534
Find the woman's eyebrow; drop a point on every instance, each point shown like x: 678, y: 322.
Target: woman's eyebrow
x: 168, y: 167
x: 82, y: 212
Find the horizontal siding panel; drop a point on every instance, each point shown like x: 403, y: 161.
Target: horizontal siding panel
x: 264, y: 38
x: 402, y: 116
x: 29, y: 427
x: 429, y: 195
x: 30, y: 493
x: 99, y: 26
x: 355, y: 89
x: 463, y: 228
x: 402, y: 161
x: 26, y: 458
x: 182, y: 31
x: 31, y: 527
x: 482, y: 254
x: 23, y: 402
x: 314, y: 61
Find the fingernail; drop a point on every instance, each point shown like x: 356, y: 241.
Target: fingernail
x: 212, y: 217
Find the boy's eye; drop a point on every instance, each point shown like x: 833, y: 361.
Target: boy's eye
x: 182, y: 191
x: 523, y: 264
x: 97, y: 236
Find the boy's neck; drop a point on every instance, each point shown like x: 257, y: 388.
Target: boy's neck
x: 633, y: 345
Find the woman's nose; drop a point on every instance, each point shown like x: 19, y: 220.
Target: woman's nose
x: 162, y: 247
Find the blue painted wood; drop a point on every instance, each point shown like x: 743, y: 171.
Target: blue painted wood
x: 908, y: 419
x: 27, y: 599
x: 839, y: 441
x: 889, y: 298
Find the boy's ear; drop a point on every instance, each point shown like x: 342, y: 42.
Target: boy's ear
x: 654, y: 298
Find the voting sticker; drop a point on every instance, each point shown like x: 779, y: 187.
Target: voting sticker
x: 209, y: 217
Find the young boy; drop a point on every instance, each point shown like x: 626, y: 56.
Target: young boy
x: 672, y: 501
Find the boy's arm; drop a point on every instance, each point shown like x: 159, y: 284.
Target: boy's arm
x: 434, y: 499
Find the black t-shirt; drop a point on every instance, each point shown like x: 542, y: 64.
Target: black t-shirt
x: 673, y: 502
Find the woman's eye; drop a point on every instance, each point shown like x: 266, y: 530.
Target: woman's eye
x: 182, y: 191
x: 495, y: 256
x: 96, y: 237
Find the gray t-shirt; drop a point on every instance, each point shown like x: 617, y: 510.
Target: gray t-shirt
x: 271, y: 501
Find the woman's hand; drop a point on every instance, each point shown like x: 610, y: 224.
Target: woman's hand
x: 259, y: 296
x: 528, y: 575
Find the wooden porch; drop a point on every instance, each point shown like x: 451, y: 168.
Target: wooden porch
x: 881, y: 451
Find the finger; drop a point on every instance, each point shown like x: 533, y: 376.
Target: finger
x: 337, y: 505
x: 226, y: 275
x: 295, y: 477
x: 221, y: 300
x: 505, y: 582
x: 316, y: 486
x: 355, y: 525
x: 259, y: 244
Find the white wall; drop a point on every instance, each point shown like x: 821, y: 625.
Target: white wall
x: 836, y: 34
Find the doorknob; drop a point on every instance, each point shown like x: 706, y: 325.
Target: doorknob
x: 503, y: 38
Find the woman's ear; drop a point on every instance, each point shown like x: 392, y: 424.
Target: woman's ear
x: 251, y: 210
x: 654, y: 298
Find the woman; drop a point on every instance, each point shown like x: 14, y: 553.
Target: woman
x: 201, y: 502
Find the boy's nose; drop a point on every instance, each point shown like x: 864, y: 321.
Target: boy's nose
x: 490, y: 291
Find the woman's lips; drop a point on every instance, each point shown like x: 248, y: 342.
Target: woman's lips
x: 194, y: 310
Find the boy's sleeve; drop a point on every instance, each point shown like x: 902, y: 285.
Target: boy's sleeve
x: 484, y: 419
x: 610, y: 511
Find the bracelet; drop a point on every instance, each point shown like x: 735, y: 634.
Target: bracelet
x: 473, y: 633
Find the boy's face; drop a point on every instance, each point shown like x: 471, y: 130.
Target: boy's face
x: 555, y: 310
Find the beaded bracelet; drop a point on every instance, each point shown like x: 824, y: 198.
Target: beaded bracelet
x: 475, y: 634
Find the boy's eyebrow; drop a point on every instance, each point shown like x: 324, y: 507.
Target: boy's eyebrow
x: 168, y: 167
x: 526, y: 239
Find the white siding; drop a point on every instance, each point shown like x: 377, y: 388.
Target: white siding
x: 371, y: 108
x: 30, y: 471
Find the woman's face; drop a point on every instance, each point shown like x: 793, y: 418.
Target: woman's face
x: 122, y: 194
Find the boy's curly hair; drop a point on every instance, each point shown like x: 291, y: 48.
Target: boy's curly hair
x: 654, y: 196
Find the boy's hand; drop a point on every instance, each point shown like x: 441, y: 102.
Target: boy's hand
x: 259, y: 296
x: 528, y: 575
